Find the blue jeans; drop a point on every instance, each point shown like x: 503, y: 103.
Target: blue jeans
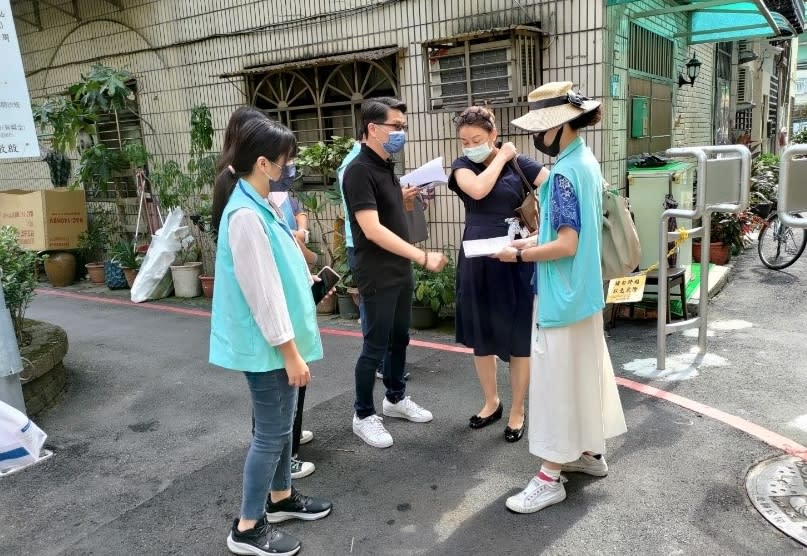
x: 385, y: 325
x: 268, y: 463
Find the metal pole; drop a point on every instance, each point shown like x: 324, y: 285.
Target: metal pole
x: 661, y: 310
x: 10, y: 361
x: 703, y: 301
x: 786, y: 187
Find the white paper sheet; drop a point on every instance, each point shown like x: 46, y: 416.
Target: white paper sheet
x: 430, y: 172
x: 485, y: 247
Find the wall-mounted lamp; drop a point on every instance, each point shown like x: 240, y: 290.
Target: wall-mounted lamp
x: 693, y: 69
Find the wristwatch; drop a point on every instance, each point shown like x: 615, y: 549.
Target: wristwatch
x: 518, y: 255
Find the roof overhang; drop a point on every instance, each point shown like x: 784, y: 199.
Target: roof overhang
x: 722, y: 20
x: 333, y: 60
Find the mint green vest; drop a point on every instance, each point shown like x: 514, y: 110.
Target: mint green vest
x: 236, y: 341
x: 570, y: 289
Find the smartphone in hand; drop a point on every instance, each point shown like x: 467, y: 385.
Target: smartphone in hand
x: 328, y: 279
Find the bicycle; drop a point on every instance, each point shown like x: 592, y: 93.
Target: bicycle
x: 778, y: 245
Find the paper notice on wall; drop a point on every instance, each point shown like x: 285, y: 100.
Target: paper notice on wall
x: 17, y: 132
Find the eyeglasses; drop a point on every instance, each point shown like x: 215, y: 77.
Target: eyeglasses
x: 398, y: 127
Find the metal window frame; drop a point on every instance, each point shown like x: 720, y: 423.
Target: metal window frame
x: 512, y: 39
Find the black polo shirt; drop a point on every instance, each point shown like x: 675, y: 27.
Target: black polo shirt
x: 370, y: 183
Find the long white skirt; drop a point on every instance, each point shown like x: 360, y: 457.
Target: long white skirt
x: 574, y: 402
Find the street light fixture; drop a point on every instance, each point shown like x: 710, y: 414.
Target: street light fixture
x: 693, y: 69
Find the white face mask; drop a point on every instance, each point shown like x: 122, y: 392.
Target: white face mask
x: 479, y: 153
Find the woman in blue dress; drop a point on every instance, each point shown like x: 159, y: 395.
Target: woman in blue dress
x: 494, y: 299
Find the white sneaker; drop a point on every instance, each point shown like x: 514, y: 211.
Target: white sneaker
x: 537, y: 496
x: 306, y: 437
x: 371, y: 430
x: 406, y: 409
x: 300, y: 468
x: 588, y: 465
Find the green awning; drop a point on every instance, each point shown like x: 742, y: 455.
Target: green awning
x: 722, y: 20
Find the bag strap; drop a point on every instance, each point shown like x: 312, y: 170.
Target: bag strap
x: 528, y: 187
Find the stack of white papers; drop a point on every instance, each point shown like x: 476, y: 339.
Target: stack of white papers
x: 430, y: 172
x: 485, y: 247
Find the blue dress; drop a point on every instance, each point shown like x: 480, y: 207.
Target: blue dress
x: 494, y: 313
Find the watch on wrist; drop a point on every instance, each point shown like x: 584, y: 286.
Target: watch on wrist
x: 518, y: 255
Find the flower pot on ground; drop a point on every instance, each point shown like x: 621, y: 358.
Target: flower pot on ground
x: 719, y: 253
x: 207, y: 285
x: 131, y: 274
x: 347, y: 307
x: 186, y: 279
x: 96, y: 272
x: 60, y: 268
x: 423, y: 317
x: 114, y: 277
x: 327, y: 306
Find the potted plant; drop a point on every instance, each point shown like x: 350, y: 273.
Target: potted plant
x: 726, y: 234
x: 433, y: 292
x: 186, y: 270
x: 125, y: 254
x: 92, y: 245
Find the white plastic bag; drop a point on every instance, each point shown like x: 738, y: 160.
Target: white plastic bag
x: 20, y: 439
x: 153, y: 280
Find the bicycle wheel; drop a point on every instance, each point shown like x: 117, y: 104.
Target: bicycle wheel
x: 780, y: 246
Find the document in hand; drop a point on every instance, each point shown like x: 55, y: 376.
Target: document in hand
x: 430, y: 172
x: 485, y: 247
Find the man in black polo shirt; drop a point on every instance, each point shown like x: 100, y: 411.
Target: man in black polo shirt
x: 383, y: 259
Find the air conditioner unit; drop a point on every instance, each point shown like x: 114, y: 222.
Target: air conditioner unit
x: 745, y: 86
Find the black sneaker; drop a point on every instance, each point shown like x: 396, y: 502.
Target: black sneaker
x: 297, y: 506
x: 262, y: 540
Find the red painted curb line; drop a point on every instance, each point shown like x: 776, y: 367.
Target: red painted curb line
x: 770, y: 438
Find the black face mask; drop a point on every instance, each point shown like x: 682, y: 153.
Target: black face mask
x: 549, y: 150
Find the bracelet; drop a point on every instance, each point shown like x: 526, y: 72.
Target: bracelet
x: 425, y: 259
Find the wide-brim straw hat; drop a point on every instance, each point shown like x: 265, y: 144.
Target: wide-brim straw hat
x: 553, y: 105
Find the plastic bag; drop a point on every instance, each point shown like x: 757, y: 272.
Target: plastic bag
x: 20, y: 439
x: 153, y: 281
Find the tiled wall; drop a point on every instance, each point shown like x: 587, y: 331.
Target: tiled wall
x: 176, y: 49
x: 692, y: 108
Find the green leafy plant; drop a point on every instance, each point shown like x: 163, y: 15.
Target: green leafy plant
x: 19, y: 277
x: 314, y: 206
x: 323, y: 159
x: 98, y: 166
x: 102, y: 90
x: 800, y: 137
x: 93, y: 243
x: 64, y: 119
x: 125, y: 254
x: 727, y: 229
x: 436, y: 290
x: 764, y: 179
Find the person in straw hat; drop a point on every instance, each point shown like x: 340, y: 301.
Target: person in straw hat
x: 574, y: 402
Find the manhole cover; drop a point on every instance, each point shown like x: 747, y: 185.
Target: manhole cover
x: 778, y: 489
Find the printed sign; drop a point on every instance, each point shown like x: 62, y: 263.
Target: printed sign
x: 629, y: 289
x: 17, y: 132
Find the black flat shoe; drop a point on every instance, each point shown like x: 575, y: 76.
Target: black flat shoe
x: 513, y: 435
x: 477, y: 422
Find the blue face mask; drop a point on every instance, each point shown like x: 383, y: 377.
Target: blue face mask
x: 286, y: 181
x: 395, y: 142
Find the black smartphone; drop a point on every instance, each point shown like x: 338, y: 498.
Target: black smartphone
x: 328, y: 279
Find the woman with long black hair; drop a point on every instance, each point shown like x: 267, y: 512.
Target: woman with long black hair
x: 260, y: 275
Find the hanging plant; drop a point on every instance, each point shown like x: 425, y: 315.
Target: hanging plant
x: 60, y: 167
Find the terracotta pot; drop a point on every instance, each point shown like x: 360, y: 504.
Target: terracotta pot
x: 131, y: 274
x: 96, y: 272
x: 719, y: 253
x: 327, y: 306
x: 60, y: 269
x: 207, y: 285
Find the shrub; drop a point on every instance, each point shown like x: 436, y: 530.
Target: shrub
x: 19, y: 276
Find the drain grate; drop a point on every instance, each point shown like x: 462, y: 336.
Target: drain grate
x: 778, y: 489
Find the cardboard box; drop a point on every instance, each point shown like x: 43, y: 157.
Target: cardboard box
x: 47, y: 219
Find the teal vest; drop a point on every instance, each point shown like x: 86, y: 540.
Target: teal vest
x: 236, y: 341
x: 570, y: 289
x: 340, y: 173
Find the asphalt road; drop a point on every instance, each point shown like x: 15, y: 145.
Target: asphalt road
x: 149, y: 445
